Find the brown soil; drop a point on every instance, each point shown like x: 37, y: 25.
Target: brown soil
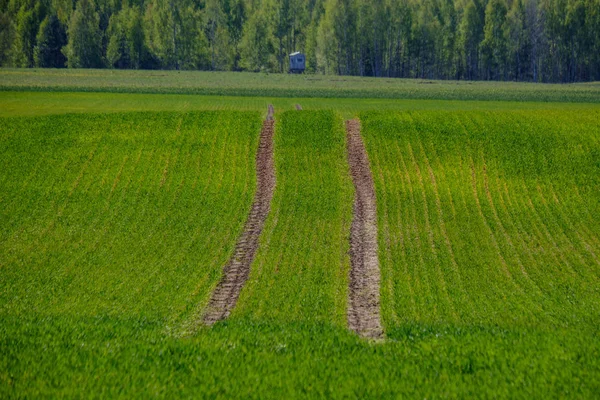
x: 237, y: 270
x: 298, y: 107
x: 363, y: 304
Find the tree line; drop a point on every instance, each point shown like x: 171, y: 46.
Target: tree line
x: 521, y: 40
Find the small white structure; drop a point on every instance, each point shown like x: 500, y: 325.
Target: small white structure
x: 297, y: 63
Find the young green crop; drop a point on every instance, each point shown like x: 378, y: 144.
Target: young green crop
x: 48, y: 103
x: 114, y: 229
x: 124, y: 215
x: 486, y: 219
x: 286, y: 85
x: 301, y: 270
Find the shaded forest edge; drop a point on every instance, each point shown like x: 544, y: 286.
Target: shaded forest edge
x: 517, y: 40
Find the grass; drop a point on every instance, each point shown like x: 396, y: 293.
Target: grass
x: 114, y: 228
x: 301, y: 270
x: 286, y: 85
x: 50, y: 103
x: 96, y: 308
x: 487, y: 217
x: 487, y: 220
x: 115, y: 216
x: 111, y: 357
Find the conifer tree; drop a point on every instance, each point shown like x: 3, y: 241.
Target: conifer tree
x: 50, y: 39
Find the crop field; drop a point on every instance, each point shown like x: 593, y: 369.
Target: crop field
x: 111, y: 209
x: 488, y: 218
x: 301, y: 271
x: 286, y: 85
x: 120, y: 212
x: 50, y: 103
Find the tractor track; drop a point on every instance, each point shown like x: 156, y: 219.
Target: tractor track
x: 363, y: 302
x: 237, y: 270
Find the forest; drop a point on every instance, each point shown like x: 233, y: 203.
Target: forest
x: 511, y: 40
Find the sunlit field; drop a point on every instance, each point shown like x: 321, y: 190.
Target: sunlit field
x: 118, y: 212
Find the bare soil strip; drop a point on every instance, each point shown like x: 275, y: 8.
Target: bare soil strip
x: 298, y: 107
x: 363, y: 304
x: 237, y: 270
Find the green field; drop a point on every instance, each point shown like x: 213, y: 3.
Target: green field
x: 301, y: 272
x: 287, y: 85
x: 119, y: 210
x: 488, y: 218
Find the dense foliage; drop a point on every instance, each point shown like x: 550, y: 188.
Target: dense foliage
x: 524, y: 40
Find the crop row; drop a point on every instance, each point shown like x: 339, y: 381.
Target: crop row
x: 301, y: 270
x: 131, y: 214
x: 487, y: 218
x: 114, y: 230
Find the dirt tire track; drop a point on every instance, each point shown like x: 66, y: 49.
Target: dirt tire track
x: 237, y: 270
x: 363, y: 302
x: 298, y: 107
